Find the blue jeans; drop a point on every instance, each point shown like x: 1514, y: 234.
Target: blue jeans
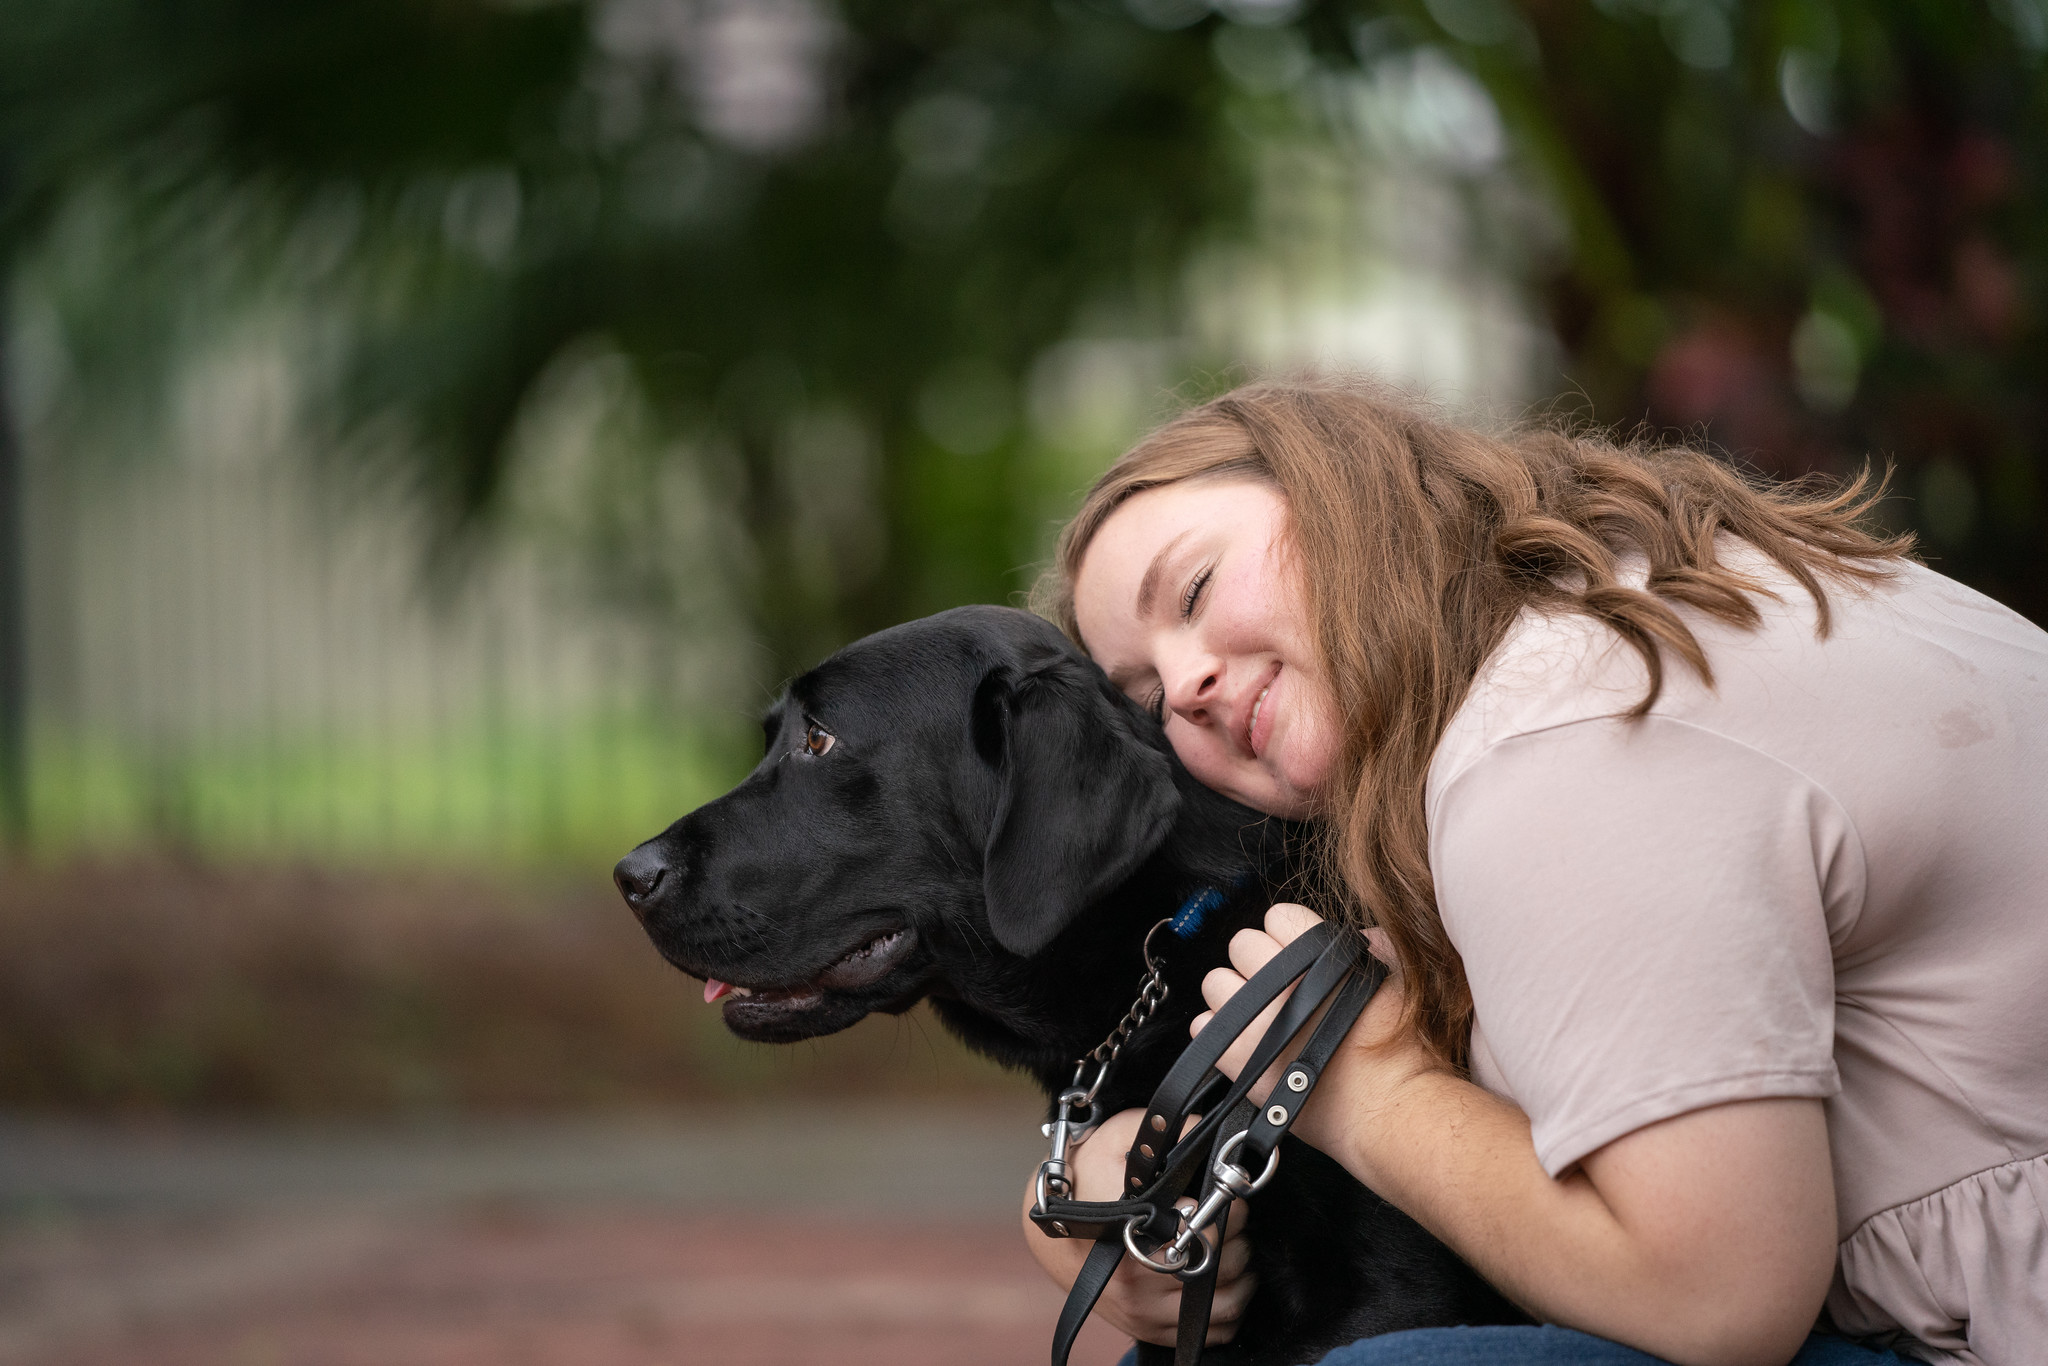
x: 1546, y: 1346
x: 1549, y: 1346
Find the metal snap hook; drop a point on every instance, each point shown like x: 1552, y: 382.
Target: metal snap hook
x: 1236, y: 1179
x: 1177, y: 1263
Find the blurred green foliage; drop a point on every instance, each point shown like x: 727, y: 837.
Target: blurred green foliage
x: 1815, y: 231
x: 563, y: 793
x: 832, y: 242
x: 879, y: 217
x: 809, y: 262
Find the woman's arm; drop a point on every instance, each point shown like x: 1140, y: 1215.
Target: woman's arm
x: 1707, y: 1239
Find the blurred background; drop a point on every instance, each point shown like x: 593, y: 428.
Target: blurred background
x: 431, y: 430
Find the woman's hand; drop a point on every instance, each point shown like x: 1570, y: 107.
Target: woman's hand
x: 1143, y: 1303
x: 1376, y: 1058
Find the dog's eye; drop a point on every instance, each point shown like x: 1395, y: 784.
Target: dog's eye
x: 818, y: 740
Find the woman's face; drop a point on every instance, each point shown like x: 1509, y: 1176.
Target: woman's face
x: 1190, y: 598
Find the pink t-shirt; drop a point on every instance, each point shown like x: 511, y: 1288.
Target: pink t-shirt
x: 1825, y: 876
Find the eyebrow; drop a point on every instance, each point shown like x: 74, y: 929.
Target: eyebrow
x: 1148, y: 587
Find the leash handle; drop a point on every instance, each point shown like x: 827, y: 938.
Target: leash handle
x: 1159, y: 1131
x: 1153, y: 1182
x: 1315, y: 987
x: 1260, y: 1142
x: 1325, y: 962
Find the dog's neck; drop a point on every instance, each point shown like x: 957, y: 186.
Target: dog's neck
x: 1046, y: 1012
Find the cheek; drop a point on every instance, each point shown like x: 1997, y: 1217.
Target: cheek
x: 1313, y: 755
x: 1198, y: 751
x: 1216, y: 768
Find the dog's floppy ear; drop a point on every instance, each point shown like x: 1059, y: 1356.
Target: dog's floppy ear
x: 1082, y: 799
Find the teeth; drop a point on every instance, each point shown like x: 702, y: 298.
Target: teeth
x: 743, y: 991
x: 1253, y: 724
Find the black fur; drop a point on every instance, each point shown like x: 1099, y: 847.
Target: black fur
x: 1017, y: 825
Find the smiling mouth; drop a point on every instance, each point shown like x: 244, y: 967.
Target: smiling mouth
x: 1253, y: 736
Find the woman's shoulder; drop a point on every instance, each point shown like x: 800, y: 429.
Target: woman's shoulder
x: 1551, y: 669
x: 1557, y: 667
x: 1912, y: 642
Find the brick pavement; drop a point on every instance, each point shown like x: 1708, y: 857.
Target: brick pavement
x: 273, y: 1249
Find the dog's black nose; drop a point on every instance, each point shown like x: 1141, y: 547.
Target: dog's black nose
x: 637, y: 875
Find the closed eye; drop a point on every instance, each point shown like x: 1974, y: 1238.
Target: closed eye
x: 1156, y: 705
x: 1189, y: 599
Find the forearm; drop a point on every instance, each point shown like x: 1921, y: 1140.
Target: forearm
x: 1462, y: 1163
x: 1707, y: 1238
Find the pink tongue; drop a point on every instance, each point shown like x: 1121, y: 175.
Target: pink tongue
x: 714, y: 989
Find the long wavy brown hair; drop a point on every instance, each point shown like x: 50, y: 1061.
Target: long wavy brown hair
x: 1420, y: 541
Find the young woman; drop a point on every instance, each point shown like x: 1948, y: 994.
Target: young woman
x: 1708, y: 833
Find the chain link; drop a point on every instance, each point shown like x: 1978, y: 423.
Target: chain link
x: 1152, y: 993
x: 1054, y: 1175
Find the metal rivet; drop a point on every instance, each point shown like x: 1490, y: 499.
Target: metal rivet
x: 1059, y: 1228
x: 1136, y: 1182
x: 1145, y: 1150
x: 1277, y: 1115
x: 1159, y: 1123
x: 1297, y: 1081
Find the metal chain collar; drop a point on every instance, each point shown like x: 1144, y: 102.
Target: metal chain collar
x: 1151, y: 995
x: 1068, y: 1130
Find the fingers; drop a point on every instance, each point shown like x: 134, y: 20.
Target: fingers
x: 1287, y: 922
x: 1142, y: 1303
x: 1219, y: 986
x: 1382, y: 946
x: 1235, y: 1259
x: 1251, y: 950
x: 1098, y: 1163
x: 1147, y: 1305
x: 1228, y: 1307
x: 1234, y: 1282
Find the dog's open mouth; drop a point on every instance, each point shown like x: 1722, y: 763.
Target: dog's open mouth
x: 748, y: 1010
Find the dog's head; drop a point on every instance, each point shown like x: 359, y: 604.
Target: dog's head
x: 935, y: 800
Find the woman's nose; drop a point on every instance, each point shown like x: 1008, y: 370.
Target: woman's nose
x: 1192, y: 687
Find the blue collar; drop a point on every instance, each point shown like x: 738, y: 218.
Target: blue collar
x: 1188, y: 919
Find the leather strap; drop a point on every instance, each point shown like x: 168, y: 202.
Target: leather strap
x: 1185, y: 1162
x: 1170, y: 1099
x: 1088, y: 1287
x: 1197, y: 1297
x: 1298, y: 1082
x: 1266, y: 1130
x: 1315, y: 988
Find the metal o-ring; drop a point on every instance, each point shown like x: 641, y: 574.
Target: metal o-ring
x: 1167, y: 1268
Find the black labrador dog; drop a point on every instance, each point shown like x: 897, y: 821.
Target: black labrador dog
x: 963, y: 809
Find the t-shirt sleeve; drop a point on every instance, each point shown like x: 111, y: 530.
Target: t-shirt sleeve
x: 1641, y: 907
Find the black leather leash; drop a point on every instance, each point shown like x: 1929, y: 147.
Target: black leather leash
x: 1214, y: 1160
